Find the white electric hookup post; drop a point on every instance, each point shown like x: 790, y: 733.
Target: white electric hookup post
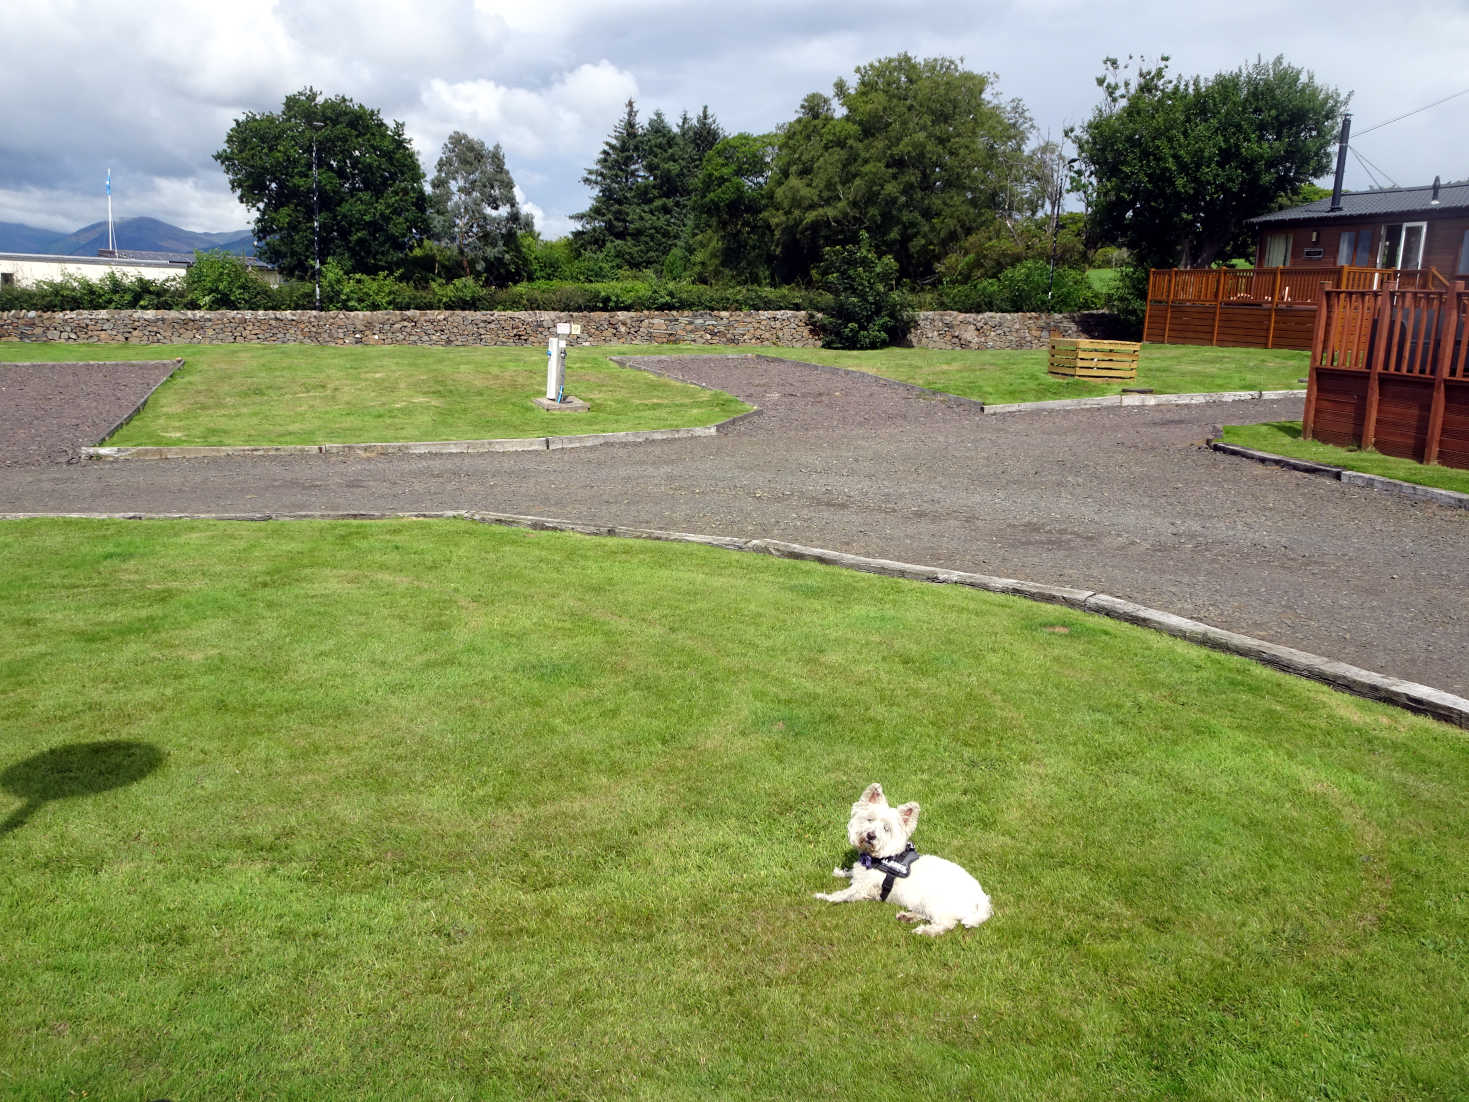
x: 556, y: 361
x: 556, y: 364
x: 556, y: 397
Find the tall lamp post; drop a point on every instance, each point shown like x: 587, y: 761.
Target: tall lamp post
x: 315, y: 215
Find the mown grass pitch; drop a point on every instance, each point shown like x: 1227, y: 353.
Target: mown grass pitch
x: 236, y: 394
x: 444, y: 811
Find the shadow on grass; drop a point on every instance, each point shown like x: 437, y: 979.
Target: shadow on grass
x: 77, y: 769
x: 1290, y: 429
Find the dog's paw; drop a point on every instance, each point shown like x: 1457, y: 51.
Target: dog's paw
x: 933, y: 929
x: 822, y: 896
x: 841, y: 873
x: 908, y: 916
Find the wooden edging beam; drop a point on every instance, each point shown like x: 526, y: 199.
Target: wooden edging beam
x: 1423, y: 699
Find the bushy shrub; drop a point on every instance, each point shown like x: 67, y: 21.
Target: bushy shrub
x: 356, y: 291
x: 980, y: 297
x: 1027, y: 287
x: 294, y: 294
x: 111, y: 292
x: 1128, y: 298
x: 461, y: 294
x: 629, y: 294
x: 220, y: 281
x: 867, y: 310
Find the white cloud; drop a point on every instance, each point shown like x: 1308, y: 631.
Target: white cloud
x: 152, y: 89
x: 525, y: 121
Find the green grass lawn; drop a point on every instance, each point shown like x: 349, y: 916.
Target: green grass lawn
x: 315, y: 394
x: 1019, y: 375
x: 426, y: 809
x: 1284, y: 438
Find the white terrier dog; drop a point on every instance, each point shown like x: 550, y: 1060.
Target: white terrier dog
x: 889, y: 867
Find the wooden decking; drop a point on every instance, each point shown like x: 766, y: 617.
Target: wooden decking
x: 1253, y: 307
x: 1388, y: 371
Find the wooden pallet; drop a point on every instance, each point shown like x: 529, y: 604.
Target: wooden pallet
x: 1088, y: 359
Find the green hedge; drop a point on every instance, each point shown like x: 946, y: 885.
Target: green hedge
x: 217, y: 282
x: 341, y: 291
x: 1027, y: 287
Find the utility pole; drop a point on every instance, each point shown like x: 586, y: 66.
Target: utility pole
x: 315, y: 215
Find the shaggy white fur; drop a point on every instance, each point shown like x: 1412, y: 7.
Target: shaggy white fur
x: 937, y: 891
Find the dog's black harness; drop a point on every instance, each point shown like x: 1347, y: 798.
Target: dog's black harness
x: 891, y: 867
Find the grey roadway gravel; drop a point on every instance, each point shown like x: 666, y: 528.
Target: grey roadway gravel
x: 1126, y: 501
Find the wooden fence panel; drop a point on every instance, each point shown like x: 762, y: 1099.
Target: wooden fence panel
x: 1341, y: 405
x: 1453, y: 441
x: 1388, y: 371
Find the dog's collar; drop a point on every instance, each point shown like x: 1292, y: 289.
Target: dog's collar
x: 892, y: 868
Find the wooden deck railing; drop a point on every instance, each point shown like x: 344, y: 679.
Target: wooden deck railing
x: 1388, y: 370
x: 1256, y: 307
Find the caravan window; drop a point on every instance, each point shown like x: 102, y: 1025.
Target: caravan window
x: 1402, y: 245
x: 1277, y: 250
x: 1355, y: 248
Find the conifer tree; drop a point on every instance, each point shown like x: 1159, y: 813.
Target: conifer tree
x: 614, y: 181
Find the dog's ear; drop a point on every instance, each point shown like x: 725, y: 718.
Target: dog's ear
x: 909, y: 814
x: 873, y: 795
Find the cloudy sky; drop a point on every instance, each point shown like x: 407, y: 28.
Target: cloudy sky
x: 149, y: 89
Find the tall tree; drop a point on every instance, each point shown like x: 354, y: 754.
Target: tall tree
x: 642, y: 183
x: 367, y: 185
x: 731, y: 237
x: 915, y: 153
x: 698, y: 137
x: 1172, y: 167
x: 472, y: 209
x: 614, y: 181
x: 660, y: 198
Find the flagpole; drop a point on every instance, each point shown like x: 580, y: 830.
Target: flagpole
x: 111, y: 240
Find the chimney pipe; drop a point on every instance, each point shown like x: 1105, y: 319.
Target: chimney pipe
x: 1341, y: 161
x: 1434, y: 201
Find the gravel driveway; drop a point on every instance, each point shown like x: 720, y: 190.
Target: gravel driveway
x: 1126, y: 501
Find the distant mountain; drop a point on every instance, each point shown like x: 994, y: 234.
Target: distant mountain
x: 18, y: 238
x: 140, y: 234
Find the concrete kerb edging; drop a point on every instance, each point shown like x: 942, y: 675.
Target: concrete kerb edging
x: 1110, y: 400
x: 433, y: 447
x: 1423, y: 699
x: 1451, y: 498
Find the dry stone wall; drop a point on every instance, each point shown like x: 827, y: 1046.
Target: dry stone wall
x: 786, y: 328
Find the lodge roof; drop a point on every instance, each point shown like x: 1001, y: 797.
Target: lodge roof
x: 103, y: 261
x: 1357, y: 205
x: 185, y: 259
x: 141, y: 258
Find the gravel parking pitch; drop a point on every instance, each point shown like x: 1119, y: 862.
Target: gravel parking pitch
x: 1128, y: 501
x: 50, y: 411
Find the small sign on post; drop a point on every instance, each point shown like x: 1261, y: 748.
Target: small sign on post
x: 556, y: 398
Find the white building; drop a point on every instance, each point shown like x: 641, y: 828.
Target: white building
x: 26, y: 269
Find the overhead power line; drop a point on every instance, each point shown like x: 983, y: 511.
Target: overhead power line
x: 1415, y: 111
x: 1368, y: 166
